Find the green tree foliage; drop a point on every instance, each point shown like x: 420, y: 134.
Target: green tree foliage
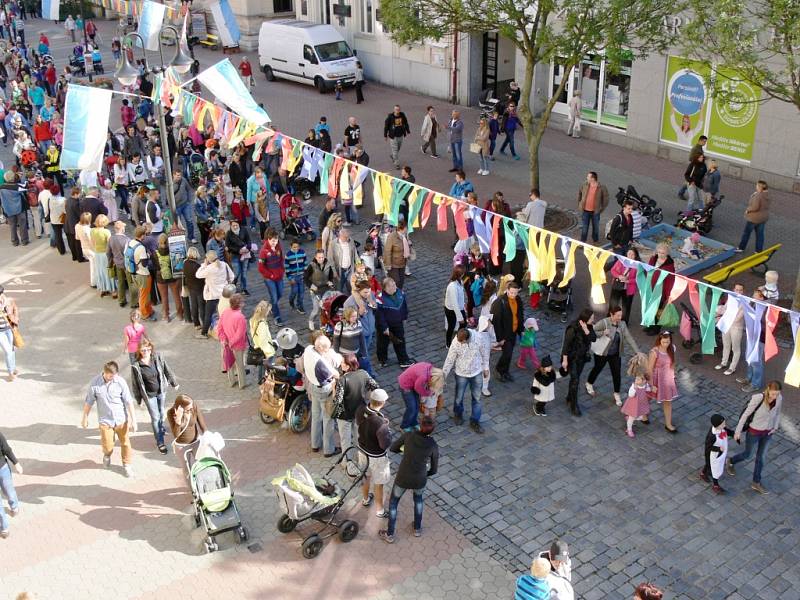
x: 542, y: 31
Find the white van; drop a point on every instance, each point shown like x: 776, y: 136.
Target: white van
x: 306, y: 52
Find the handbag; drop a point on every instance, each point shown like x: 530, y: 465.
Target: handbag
x: 269, y: 404
x: 255, y: 356
x: 600, y: 346
x: 19, y: 343
x: 475, y: 148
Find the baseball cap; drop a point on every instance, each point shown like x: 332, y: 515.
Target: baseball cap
x: 379, y: 395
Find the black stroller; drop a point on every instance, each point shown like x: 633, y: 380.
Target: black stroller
x: 696, y: 357
x: 699, y: 220
x: 559, y: 299
x: 646, y: 205
x: 304, y: 497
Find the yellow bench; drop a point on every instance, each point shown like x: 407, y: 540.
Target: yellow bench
x: 740, y: 266
x: 212, y: 41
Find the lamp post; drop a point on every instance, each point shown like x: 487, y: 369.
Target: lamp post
x: 127, y: 74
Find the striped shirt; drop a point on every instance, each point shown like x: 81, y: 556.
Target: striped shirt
x: 295, y: 263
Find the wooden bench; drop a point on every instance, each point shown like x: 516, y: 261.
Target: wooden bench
x: 740, y: 266
x: 211, y: 41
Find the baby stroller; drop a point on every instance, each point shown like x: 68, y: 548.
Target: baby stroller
x: 331, y: 313
x: 699, y: 220
x: 196, y: 167
x: 304, y: 497
x: 559, y: 299
x: 305, y: 188
x: 696, y: 357
x: 283, y: 396
x: 295, y: 223
x: 646, y: 205
x: 212, y: 498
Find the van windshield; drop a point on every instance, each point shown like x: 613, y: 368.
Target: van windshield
x: 333, y: 51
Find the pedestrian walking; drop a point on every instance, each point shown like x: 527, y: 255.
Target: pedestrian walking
x: 578, y: 337
x: 534, y: 586
x: 318, y: 277
x: 150, y: 376
x: 391, y: 316
x: 320, y: 367
x: 694, y: 176
x: 637, y: 406
x: 455, y: 304
x: 395, y: 128
x: 69, y: 25
x: 7, y: 459
x: 509, y: 124
x: 711, y: 183
x: 592, y: 201
x: 246, y: 71
x: 397, y: 254
x: 528, y: 343
x: 756, y: 216
x: 759, y: 421
x: 612, y: 334
x: 430, y: 131
x: 187, y: 424
x: 9, y: 322
x: 661, y: 373
x: 715, y: 451
x: 560, y: 575
x: 374, y: 440
x: 574, y: 115
x: 232, y: 332
x: 216, y: 275
x: 731, y: 324
x: 359, y: 83
x: 620, y: 232
x: 420, y: 461
x: 481, y: 142
x: 116, y: 414
x: 455, y: 134
x: 469, y: 365
x: 351, y: 392
x: 508, y: 319
x: 271, y: 267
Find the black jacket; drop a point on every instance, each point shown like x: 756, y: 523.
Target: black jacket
x: 234, y: 243
x: 73, y: 210
x: 374, y: 434
x: 396, y: 126
x: 503, y: 320
x: 164, y: 376
x: 418, y: 449
x: 190, y: 278
x: 621, y: 232
x: 696, y: 172
x: 576, y: 342
x: 92, y: 205
x: 352, y: 391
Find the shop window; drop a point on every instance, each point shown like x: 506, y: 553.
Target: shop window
x: 304, y: 7
x: 589, y: 84
x: 558, y: 75
x: 616, y: 94
x: 367, y: 17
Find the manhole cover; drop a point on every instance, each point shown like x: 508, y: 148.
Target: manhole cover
x: 558, y: 219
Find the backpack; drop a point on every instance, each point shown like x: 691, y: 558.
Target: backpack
x: 130, y: 261
x: 164, y: 266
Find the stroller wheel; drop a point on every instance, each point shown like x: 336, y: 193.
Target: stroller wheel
x: 300, y: 414
x: 306, y: 194
x: 265, y: 418
x: 657, y: 216
x: 687, y: 343
x: 348, y: 530
x: 242, y: 533
x: 211, y: 545
x: 312, y: 546
x: 286, y: 524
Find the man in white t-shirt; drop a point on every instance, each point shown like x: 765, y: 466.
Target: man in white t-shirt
x: 533, y: 213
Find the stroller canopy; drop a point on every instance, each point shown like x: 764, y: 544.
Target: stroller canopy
x: 211, y: 481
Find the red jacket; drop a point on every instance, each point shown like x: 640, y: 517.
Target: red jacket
x: 50, y: 75
x: 669, y: 280
x: 240, y: 210
x: 245, y: 69
x: 270, y: 262
x: 42, y: 132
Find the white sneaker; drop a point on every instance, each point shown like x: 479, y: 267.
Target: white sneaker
x: 484, y: 172
x: 590, y: 389
x: 106, y: 461
x: 486, y: 393
x: 480, y: 171
x: 729, y: 371
x: 720, y: 366
x: 617, y: 399
x: 128, y: 470
x: 15, y: 511
x: 311, y: 325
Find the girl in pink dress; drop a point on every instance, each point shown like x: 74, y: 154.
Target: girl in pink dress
x: 637, y: 406
x: 133, y: 334
x: 661, y: 371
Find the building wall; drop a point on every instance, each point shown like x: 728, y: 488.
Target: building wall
x: 249, y: 16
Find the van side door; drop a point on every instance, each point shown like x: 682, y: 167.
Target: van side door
x: 309, y: 64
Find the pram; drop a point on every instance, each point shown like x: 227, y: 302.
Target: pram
x: 699, y: 220
x: 646, y: 205
x: 332, y: 304
x: 281, y: 386
x: 559, y: 299
x: 212, y: 498
x: 302, y: 186
x: 696, y: 357
x: 295, y: 224
x: 304, y: 497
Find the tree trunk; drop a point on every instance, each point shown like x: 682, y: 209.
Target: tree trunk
x: 526, y: 119
x: 796, y: 301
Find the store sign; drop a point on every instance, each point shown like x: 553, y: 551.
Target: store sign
x: 689, y: 112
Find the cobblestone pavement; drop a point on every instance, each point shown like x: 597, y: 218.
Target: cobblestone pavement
x: 631, y: 509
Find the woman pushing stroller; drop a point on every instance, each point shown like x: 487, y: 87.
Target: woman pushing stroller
x: 186, y: 422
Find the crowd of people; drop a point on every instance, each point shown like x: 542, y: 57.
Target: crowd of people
x: 238, y: 212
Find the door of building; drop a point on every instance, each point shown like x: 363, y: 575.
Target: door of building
x: 490, y: 57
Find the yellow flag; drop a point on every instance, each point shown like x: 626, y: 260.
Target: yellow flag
x: 569, y: 266
x: 597, y: 258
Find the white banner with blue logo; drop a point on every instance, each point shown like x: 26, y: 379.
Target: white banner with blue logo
x: 226, y: 23
x: 50, y: 9
x: 86, y: 114
x: 150, y: 22
x: 224, y: 82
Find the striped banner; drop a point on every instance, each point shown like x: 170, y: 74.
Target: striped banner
x: 226, y: 23
x: 224, y: 82
x: 86, y: 114
x: 50, y: 9
x: 150, y: 22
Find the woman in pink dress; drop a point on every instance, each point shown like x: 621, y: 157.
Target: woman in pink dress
x: 661, y: 371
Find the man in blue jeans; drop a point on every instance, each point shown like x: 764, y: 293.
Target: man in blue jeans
x: 592, y: 201
x: 471, y: 366
x: 455, y: 130
x: 183, y: 203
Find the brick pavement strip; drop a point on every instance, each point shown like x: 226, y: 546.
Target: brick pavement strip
x: 631, y: 509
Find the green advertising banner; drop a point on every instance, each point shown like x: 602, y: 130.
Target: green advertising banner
x: 685, y: 102
x: 732, y: 123
x: 689, y: 111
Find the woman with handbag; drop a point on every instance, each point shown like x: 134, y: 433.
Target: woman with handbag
x: 262, y: 347
x: 9, y: 335
x: 612, y: 335
x: 106, y: 282
x: 150, y: 375
x: 187, y: 424
x: 661, y: 373
x: 232, y: 334
x: 351, y: 391
x: 578, y: 338
x: 217, y: 275
x: 623, y: 284
x: 194, y: 286
x: 480, y: 145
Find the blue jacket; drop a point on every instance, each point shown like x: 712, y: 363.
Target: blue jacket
x: 459, y: 190
x: 392, y: 310
x: 253, y: 188
x: 530, y: 588
x: 12, y: 200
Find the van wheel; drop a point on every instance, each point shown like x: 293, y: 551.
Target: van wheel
x: 319, y: 84
x: 268, y: 72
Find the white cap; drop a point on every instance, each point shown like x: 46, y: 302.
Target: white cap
x: 379, y: 396
x: 531, y: 323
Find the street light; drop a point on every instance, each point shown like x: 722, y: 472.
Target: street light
x: 126, y: 74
